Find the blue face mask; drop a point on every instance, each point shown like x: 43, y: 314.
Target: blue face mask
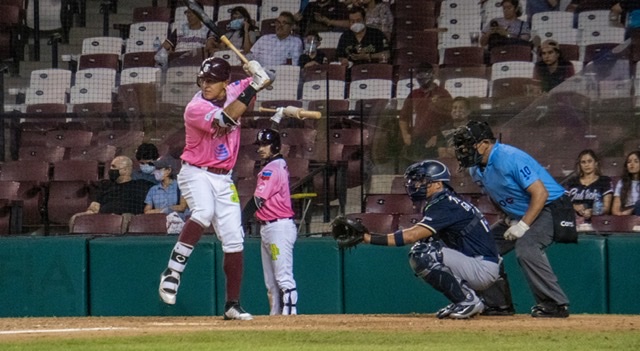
x: 236, y: 24
x: 147, y: 169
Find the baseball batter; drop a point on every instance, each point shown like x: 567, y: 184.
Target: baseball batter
x: 454, y: 249
x: 278, y: 231
x: 212, y: 124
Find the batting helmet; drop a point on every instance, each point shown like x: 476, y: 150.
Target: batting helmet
x: 269, y: 137
x: 466, y: 137
x: 214, y: 68
x: 429, y: 170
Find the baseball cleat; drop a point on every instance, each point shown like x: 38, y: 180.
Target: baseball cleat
x: 169, y: 283
x: 549, y: 310
x: 464, y: 311
x: 445, y: 311
x: 235, y: 311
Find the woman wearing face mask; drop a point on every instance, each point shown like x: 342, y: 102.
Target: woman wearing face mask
x: 146, y: 154
x: 165, y: 196
x: 311, y: 56
x: 241, y: 31
x: 361, y: 44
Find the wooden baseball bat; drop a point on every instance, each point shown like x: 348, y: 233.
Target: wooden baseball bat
x: 207, y: 21
x: 296, y: 112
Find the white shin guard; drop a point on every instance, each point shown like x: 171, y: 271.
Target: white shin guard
x: 289, y: 301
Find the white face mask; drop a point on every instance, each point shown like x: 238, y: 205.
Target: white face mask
x: 147, y: 169
x: 357, y: 27
x: 158, y: 174
x: 236, y: 24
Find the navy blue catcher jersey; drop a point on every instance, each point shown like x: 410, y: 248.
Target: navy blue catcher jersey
x: 459, y: 224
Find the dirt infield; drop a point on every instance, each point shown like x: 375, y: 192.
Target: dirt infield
x: 23, y: 328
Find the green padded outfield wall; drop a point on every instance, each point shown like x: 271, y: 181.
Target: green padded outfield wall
x: 316, y: 267
x: 125, y: 273
x: 624, y: 273
x: 581, y: 270
x: 43, y: 277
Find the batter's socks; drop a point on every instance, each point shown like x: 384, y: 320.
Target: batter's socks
x: 233, y: 266
x: 191, y: 233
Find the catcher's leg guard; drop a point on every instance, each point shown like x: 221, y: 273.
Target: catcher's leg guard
x: 426, y: 261
x: 497, y: 297
x: 289, y: 301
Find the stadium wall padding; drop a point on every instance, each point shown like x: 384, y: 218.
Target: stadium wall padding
x: 118, y: 276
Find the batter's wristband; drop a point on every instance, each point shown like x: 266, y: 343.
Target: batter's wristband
x: 247, y: 95
x: 398, y: 237
x: 378, y: 240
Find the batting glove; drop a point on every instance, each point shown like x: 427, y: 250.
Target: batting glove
x: 516, y: 231
x: 278, y: 115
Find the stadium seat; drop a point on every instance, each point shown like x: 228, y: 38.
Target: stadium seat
x: 314, y: 80
x: 148, y: 224
x: 371, y: 81
x: 100, y: 223
x: 285, y: 87
x: 382, y: 222
x: 389, y: 203
x: 467, y: 87
x: 152, y: 14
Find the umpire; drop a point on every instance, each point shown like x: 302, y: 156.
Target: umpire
x: 454, y: 249
x: 534, y: 203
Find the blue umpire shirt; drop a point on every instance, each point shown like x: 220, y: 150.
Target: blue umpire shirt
x: 508, y: 174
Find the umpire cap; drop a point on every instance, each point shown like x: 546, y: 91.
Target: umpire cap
x: 214, y: 68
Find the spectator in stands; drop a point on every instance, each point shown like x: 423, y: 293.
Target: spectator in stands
x: 242, y: 31
x: 627, y: 190
x: 537, y: 6
x: 311, y: 56
x: 323, y: 16
x: 121, y: 194
x: 278, y: 49
x: 460, y: 111
x: 423, y: 116
x: 507, y: 30
x: 189, y: 36
x: 379, y: 15
x: 146, y: 154
x: 361, y: 44
x: 553, y: 69
x: 589, y: 190
x: 630, y: 8
x: 577, y: 6
x: 165, y: 197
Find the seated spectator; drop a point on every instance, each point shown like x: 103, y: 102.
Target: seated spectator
x: 146, y: 154
x: 577, y: 6
x: 242, y: 31
x: 311, y: 56
x: 553, y: 69
x: 323, y: 16
x: 537, y: 6
x: 120, y: 194
x: 189, y: 36
x: 379, y: 15
x: 627, y: 190
x: 278, y: 49
x: 631, y: 10
x: 507, y: 30
x: 165, y: 197
x: 361, y: 44
x: 589, y: 190
x: 460, y: 111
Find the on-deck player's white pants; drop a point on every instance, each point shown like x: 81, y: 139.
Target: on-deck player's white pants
x: 276, y: 250
x: 213, y: 198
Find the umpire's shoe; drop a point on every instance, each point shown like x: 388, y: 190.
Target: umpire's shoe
x: 169, y: 283
x: 233, y: 310
x: 549, y: 310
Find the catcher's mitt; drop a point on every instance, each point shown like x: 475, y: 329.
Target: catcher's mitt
x: 347, y: 232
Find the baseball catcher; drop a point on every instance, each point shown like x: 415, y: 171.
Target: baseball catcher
x: 453, y: 247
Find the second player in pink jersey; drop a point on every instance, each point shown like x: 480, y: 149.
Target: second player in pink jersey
x: 212, y: 125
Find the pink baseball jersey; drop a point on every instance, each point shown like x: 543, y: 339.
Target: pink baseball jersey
x: 273, y: 187
x: 206, y: 143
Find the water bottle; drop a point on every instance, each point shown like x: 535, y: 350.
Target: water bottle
x: 598, y: 206
x: 156, y: 44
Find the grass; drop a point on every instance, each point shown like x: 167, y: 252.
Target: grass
x: 340, y: 341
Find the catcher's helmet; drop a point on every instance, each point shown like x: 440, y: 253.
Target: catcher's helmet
x: 269, y: 137
x: 429, y: 170
x: 466, y: 137
x: 214, y: 68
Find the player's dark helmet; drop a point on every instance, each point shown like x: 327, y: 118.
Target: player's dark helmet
x: 269, y: 137
x: 429, y: 170
x: 466, y: 137
x: 215, y: 69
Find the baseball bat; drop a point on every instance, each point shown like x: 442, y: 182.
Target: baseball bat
x: 208, y: 22
x: 296, y: 112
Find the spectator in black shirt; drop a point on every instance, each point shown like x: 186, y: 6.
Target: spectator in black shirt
x: 361, y: 44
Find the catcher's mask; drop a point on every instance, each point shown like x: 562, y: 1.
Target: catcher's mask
x: 419, y: 175
x: 466, y: 137
x: 269, y: 137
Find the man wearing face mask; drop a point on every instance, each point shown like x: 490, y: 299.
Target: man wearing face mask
x: 424, y: 113
x: 165, y: 197
x: 361, y: 44
x: 323, y: 16
x: 120, y: 194
x: 146, y: 154
x: 311, y: 55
